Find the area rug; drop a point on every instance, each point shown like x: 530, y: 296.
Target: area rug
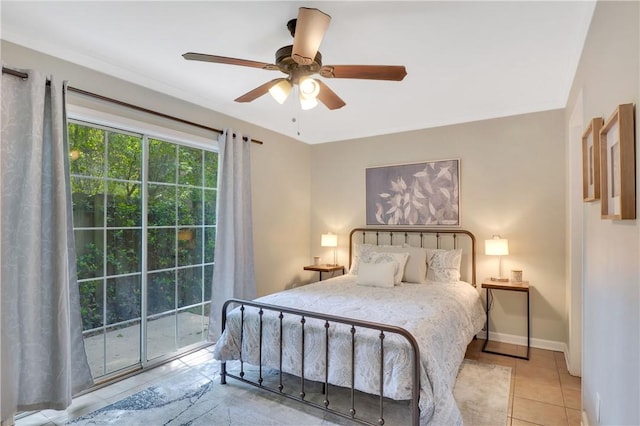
x: 193, y: 398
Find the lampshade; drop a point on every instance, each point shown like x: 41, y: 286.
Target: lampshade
x: 329, y: 240
x: 280, y: 91
x: 309, y: 88
x: 309, y: 103
x: 496, y: 246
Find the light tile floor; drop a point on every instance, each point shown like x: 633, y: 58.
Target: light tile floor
x: 542, y: 390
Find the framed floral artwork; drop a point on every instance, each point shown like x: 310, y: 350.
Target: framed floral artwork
x: 425, y: 193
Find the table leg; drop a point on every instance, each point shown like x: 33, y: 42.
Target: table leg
x: 484, y: 347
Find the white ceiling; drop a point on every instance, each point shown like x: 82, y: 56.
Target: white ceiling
x: 465, y: 61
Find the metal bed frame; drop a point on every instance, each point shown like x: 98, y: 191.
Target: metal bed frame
x: 328, y: 319
x: 382, y: 236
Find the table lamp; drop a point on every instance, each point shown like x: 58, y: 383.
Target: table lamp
x: 497, y: 246
x: 330, y: 240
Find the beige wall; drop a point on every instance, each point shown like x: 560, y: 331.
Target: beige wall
x: 609, y: 75
x: 512, y: 184
x: 280, y: 167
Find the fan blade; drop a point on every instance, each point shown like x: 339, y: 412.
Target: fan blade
x: 329, y: 97
x: 367, y: 72
x: 310, y: 28
x: 192, y: 56
x: 258, y: 91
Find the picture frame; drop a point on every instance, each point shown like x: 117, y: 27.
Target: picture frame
x: 414, y: 194
x: 591, y: 160
x: 617, y: 165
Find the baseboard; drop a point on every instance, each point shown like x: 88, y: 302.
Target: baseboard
x: 570, y: 369
x: 566, y: 357
x: 549, y: 345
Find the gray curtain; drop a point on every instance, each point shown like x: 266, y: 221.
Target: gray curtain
x: 43, y: 358
x: 233, y: 272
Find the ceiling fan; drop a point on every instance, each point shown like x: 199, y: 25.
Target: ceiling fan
x: 300, y: 61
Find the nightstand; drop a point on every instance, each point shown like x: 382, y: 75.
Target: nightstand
x: 522, y: 287
x: 324, y: 268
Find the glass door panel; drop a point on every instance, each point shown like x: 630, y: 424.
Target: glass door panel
x: 161, y: 335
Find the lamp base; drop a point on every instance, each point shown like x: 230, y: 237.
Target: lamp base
x: 500, y: 279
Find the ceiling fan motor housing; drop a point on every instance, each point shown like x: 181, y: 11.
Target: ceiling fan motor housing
x: 288, y: 65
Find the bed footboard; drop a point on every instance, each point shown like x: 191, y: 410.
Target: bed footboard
x: 301, y: 317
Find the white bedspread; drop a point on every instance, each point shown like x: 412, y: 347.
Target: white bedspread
x: 443, y: 317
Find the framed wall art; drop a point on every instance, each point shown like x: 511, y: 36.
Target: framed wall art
x: 591, y: 160
x: 617, y: 165
x: 425, y: 193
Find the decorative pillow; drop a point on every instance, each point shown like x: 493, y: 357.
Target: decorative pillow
x: 376, y: 274
x: 416, y: 268
x: 361, y: 253
x: 444, y: 265
x: 399, y: 260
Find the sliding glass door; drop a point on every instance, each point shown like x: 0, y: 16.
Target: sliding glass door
x: 181, y: 216
x: 144, y: 220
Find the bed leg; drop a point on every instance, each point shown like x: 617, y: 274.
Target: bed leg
x: 223, y: 373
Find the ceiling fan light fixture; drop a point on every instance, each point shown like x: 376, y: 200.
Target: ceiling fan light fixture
x: 281, y: 90
x: 309, y: 88
x: 307, y: 103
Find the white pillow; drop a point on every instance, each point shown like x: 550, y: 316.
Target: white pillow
x: 444, y: 265
x: 399, y: 260
x: 416, y: 267
x: 376, y: 274
x: 362, y: 253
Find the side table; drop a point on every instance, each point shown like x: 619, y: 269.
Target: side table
x: 324, y: 268
x: 522, y: 287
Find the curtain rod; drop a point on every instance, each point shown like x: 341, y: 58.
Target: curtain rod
x: 23, y: 75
